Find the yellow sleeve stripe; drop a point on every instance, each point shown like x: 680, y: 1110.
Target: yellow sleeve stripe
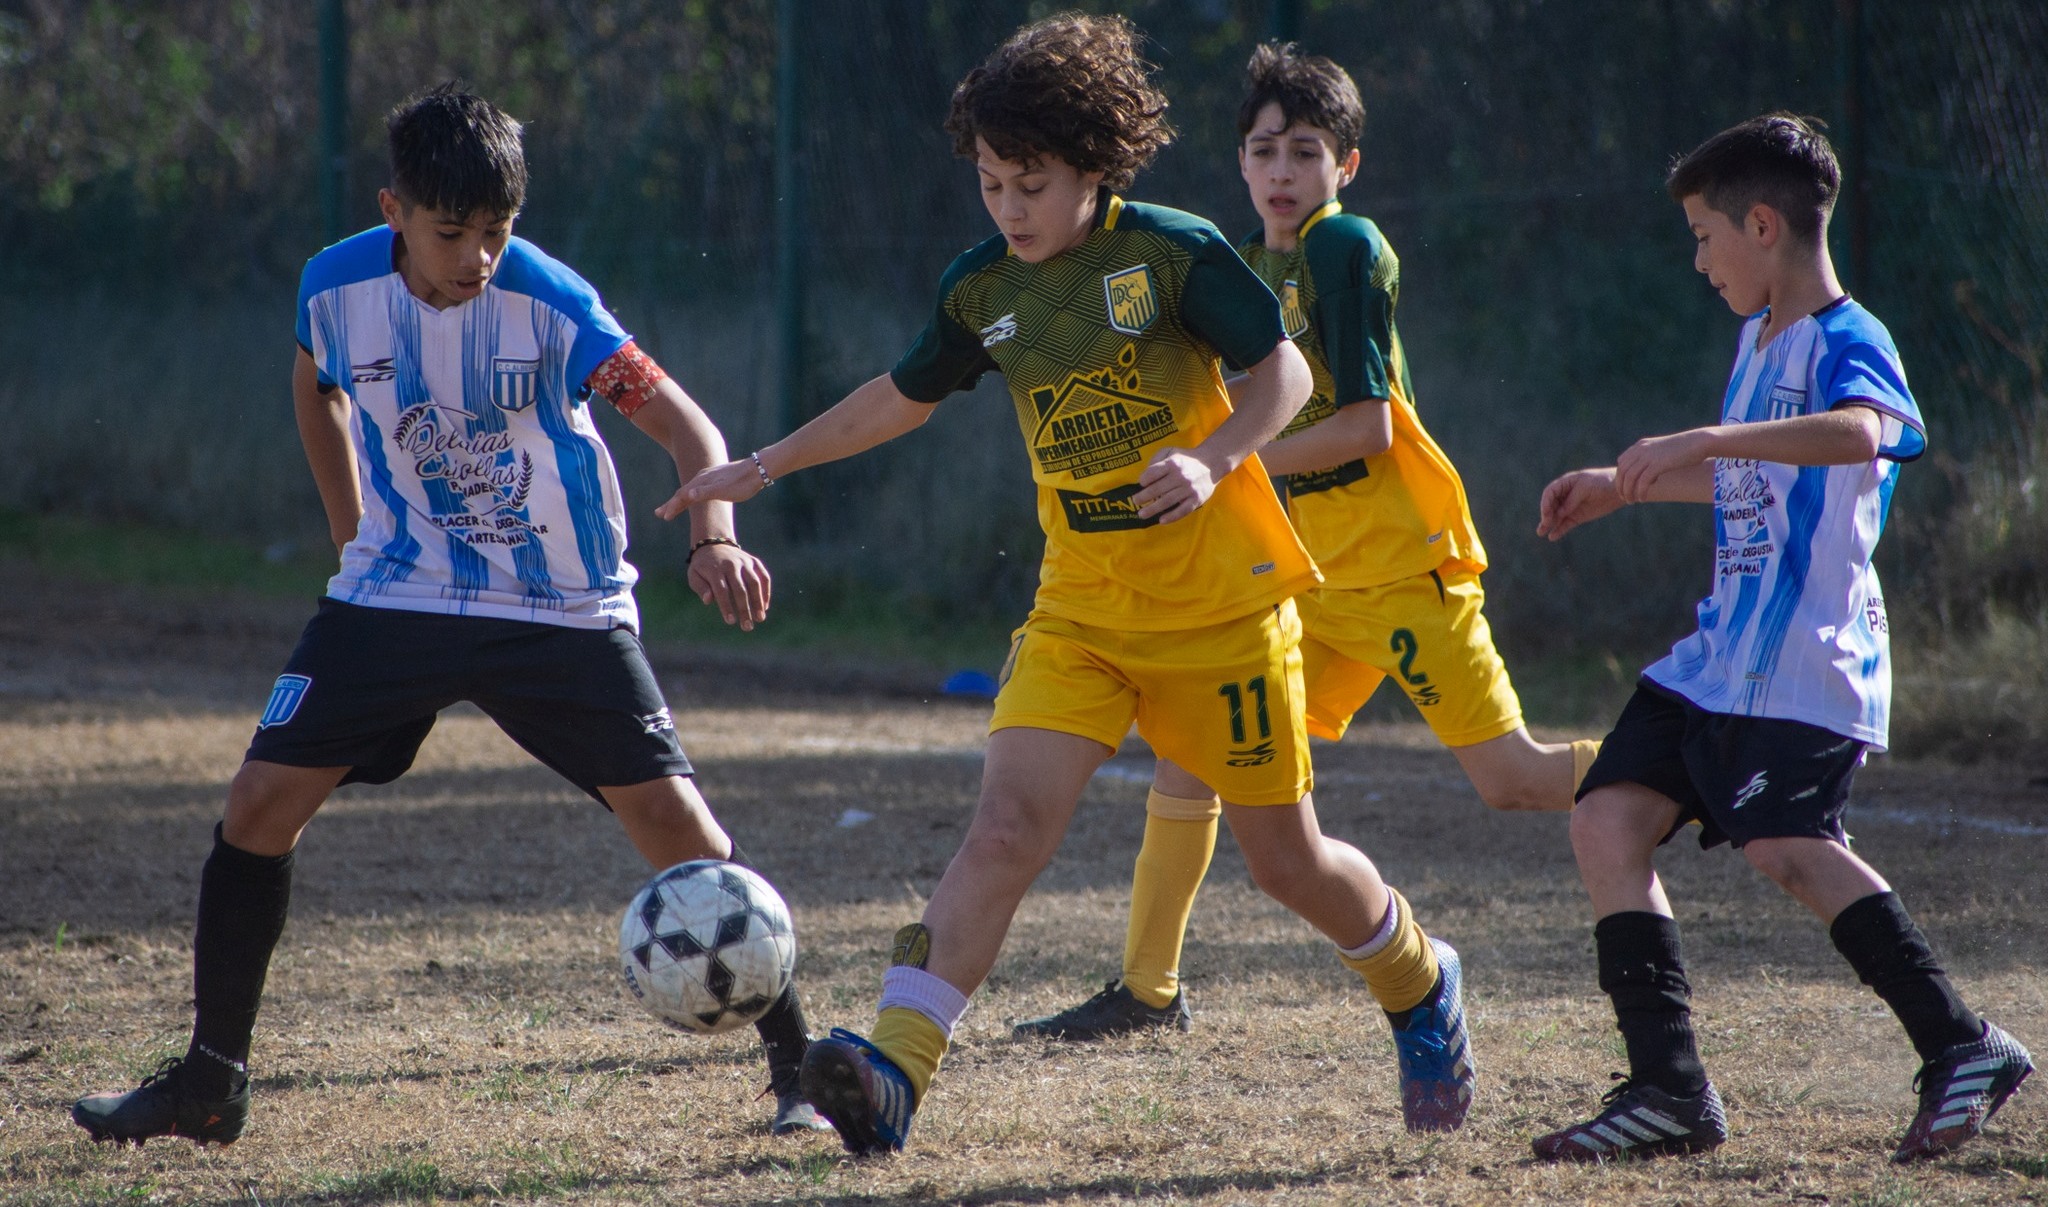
x: 1116, y: 208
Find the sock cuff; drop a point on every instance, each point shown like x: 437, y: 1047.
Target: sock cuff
x: 907, y: 988
x: 1880, y: 912
x: 232, y: 859
x: 1397, y: 909
x: 1183, y: 808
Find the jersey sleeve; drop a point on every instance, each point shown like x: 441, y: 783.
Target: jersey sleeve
x: 947, y: 356
x: 529, y: 270
x: 1226, y: 305
x: 1864, y: 374
x: 1357, y: 278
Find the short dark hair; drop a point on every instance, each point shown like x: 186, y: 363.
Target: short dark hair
x: 1780, y: 159
x: 456, y: 152
x: 1309, y: 89
x: 1071, y: 86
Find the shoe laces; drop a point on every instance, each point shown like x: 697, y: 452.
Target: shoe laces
x: 166, y: 1070
x: 1623, y: 1084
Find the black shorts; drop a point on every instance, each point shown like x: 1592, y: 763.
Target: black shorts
x: 364, y: 685
x: 1741, y: 778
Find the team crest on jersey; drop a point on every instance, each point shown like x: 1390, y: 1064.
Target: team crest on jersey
x: 515, y: 383
x: 1133, y: 303
x: 285, y: 697
x: 1293, y: 319
x: 1787, y: 402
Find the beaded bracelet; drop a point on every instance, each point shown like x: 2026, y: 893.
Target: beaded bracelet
x: 711, y: 540
x: 761, y: 469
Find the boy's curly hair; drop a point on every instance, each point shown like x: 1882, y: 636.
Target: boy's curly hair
x: 1779, y: 159
x: 1310, y: 90
x: 1071, y: 86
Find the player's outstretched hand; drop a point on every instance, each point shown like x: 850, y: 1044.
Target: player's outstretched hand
x: 733, y: 482
x: 1636, y: 471
x: 1173, y: 485
x: 733, y: 581
x: 1576, y: 498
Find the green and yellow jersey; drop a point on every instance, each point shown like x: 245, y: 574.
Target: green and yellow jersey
x: 1383, y: 518
x: 1111, y: 352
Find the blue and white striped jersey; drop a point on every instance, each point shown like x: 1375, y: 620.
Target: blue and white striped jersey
x: 487, y: 490
x: 1794, y: 627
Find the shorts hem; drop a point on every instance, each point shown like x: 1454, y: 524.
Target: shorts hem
x: 1057, y: 724
x: 1276, y: 800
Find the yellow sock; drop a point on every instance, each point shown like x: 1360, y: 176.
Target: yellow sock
x: 1180, y: 838
x: 1584, y: 751
x: 913, y: 1042
x: 1403, y: 972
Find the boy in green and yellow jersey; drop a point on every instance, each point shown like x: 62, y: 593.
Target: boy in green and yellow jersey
x: 1378, y: 505
x: 1166, y: 596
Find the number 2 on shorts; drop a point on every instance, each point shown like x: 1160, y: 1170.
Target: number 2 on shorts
x: 1235, y: 694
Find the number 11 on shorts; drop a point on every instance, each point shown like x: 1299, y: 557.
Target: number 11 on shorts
x: 1234, y: 694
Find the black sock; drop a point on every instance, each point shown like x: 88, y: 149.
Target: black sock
x: 784, y: 1034
x: 1642, y: 971
x: 1891, y: 956
x: 242, y: 903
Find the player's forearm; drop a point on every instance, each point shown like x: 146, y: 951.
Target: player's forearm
x: 1692, y: 484
x: 1847, y: 435
x: 1361, y: 430
x: 330, y: 453
x: 674, y: 420
x: 1269, y: 396
x: 875, y: 413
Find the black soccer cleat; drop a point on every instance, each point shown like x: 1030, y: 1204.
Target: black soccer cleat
x: 162, y: 1106
x: 793, y: 1114
x: 1640, y: 1121
x: 1959, y: 1092
x: 1114, y: 1011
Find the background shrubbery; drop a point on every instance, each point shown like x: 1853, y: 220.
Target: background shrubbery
x: 160, y: 172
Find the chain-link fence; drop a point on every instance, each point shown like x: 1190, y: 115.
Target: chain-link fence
x: 163, y: 166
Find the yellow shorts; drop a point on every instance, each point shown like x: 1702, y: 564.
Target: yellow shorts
x: 1428, y: 633
x: 1223, y: 701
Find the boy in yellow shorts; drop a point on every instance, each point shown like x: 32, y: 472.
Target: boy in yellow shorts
x: 1166, y: 592
x: 1378, y: 505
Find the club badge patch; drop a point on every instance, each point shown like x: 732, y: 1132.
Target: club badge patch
x: 514, y: 383
x: 1292, y: 318
x: 285, y: 698
x: 1133, y: 303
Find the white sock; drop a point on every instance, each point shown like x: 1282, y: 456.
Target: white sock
x: 1385, y: 934
x: 916, y: 989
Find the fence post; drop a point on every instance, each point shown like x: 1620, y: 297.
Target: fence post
x: 789, y: 228
x: 1850, y: 68
x: 334, y: 118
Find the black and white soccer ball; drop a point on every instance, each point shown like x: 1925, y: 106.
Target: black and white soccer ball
x: 707, y: 946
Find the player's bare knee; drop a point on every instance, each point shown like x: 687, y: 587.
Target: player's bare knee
x: 1607, y: 835
x: 1787, y: 862
x: 1281, y: 872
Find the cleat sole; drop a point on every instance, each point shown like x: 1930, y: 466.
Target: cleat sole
x: 832, y: 1084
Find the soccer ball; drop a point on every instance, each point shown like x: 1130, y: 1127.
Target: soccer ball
x: 707, y: 946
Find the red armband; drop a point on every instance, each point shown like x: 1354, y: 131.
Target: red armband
x: 627, y: 379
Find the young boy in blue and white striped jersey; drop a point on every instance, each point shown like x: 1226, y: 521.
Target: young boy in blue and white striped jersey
x: 1755, y: 724
x: 443, y: 388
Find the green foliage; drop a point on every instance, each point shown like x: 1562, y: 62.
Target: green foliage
x: 1513, y: 154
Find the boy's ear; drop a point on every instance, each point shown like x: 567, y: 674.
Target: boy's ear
x: 390, y: 206
x: 1764, y: 224
x: 1348, y: 171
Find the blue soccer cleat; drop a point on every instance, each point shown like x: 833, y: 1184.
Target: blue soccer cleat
x: 1436, y: 1055
x: 861, y: 1092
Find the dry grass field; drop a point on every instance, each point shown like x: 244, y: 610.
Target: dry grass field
x: 444, y: 1021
